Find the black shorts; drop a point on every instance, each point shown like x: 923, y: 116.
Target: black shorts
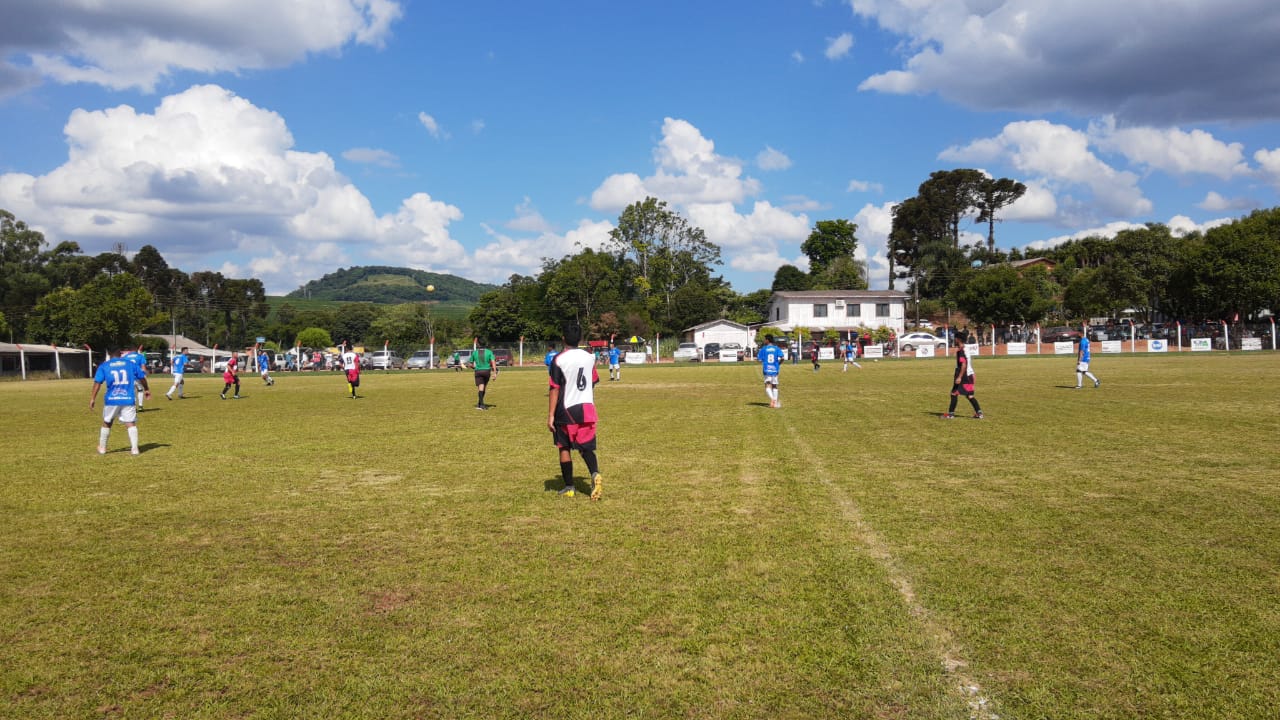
x: 482, y: 377
x: 965, y: 389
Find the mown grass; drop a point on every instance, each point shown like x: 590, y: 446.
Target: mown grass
x: 1108, y: 553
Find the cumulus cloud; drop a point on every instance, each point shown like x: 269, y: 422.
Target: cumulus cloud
x: 372, y: 156
x: 1269, y: 162
x: 1171, y: 150
x: 838, y: 47
x: 528, y: 219
x: 1215, y: 202
x: 1059, y: 157
x: 506, y: 255
x: 1086, y: 57
x: 770, y: 159
x: 1178, y: 225
x: 797, y: 57
x: 139, y: 43
x: 215, y: 180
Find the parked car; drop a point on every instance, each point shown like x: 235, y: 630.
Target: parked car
x: 913, y: 340
x: 502, y: 357
x: 736, y: 348
x: 1060, y: 334
x: 459, y: 360
x: 194, y: 364
x: 419, y: 360
x: 686, y: 351
x: 711, y: 351
x: 384, y: 360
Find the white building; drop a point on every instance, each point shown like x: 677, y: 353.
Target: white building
x: 718, y: 331
x: 838, y: 310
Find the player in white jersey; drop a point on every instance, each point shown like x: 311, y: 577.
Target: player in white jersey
x: 351, y: 368
x: 571, y: 410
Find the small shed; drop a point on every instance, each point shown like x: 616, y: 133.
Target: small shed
x: 22, y: 358
x: 718, y: 331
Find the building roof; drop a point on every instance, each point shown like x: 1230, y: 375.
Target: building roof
x: 841, y: 295
x: 38, y: 349
x: 1031, y: 261
x: 719, y: 321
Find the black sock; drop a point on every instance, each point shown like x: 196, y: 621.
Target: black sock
x: 952, y: 409
x: 974, y: 402
x: 479, y: 397
x: 566, y: 472
x: 589, y: 456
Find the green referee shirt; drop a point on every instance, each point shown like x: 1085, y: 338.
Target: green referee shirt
x: 483, y: 359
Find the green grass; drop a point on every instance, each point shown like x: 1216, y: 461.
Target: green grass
x: 1110, y: 553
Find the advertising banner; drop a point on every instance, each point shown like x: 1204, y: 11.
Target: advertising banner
x: 1018, y: 348
x: 1201, y: 344
x: 1157, y: 346
x: 925, y: 351
x: 1064, y: 348
x: 1112, y: 346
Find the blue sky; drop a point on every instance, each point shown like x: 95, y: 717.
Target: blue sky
x: 283, y: 140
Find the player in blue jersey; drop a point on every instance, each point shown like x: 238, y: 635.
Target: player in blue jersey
x: 571, y: 410
x: 179, y: 370
x: 139, y: 358
x: 1082, y: 363
x: 615, y: 368
x: 770, y: 364
x: 851, y: 354
x: 264, y: 367
x: 122, y: 377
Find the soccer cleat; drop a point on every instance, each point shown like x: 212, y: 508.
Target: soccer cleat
x: 134, y: 451
x: 948, y: 416
x: 167, y: 396
x: 597, y: 486
x: 482, y: 407
x: 223, y: 396
x: 978, y: 415
x: 102, y: 450
x: 1096, y: 383
x: 235, y: 397
x: 1076, y: 387
x: 568, y: 491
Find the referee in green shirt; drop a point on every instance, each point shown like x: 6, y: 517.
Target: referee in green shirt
x: 486, y: 370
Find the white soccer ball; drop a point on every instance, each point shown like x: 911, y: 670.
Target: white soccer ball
x: 431, y: 288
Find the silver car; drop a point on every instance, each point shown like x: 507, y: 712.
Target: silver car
x: 384, y: 360
x: 420, y: 360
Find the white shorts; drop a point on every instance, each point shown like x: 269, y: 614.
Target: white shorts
x: 123, y: 413
x: 177, y: 378
x: 771, y: 380
x: 1082, y: 367
x: 613, y: 366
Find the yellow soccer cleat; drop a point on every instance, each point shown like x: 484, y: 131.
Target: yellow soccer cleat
x: 597, y: 486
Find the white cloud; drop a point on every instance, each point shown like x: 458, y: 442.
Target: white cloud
x: 504, y: 256
x: 372, y: 156
x: 1088, y: 56
x: 528, y: 219
x: 875, y: 222
x: 1269, y: 162
x: 838, y: 47
x: 771, y: 159
x: 1215, y: 202
x: 688, y: 171
x: 797, y: 57
x: 864, y: 186
x: 1171, y: 150
x: 432, y: 126
x: 213, y: 179
x: 477, y: 126
x: 138, y: 43
x: 1060, y: 157
x: 1178, y: 225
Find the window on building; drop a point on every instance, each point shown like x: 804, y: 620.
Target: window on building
x: 853, y: 310
x: 777, y: 313
x: 819, y: 310
x: 882, y: 310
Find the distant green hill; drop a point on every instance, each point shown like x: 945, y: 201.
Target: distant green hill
x: 391, y: 285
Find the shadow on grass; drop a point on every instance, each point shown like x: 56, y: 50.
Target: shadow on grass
x: 556, y: 484
x: 758, y: 404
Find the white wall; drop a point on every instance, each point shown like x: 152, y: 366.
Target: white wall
x: 800, y: 314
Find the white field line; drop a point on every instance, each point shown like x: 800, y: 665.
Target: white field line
x: 953, y: 663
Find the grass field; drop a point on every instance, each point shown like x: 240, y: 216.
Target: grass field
x: 1110, y: 553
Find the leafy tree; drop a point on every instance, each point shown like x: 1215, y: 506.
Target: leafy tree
x: 751, y: 308
x: 693, y: 305
x: 352, y: 321
x: 950, y: 195
x: 403, y: 326
x: 668, y: 252
x: 829, y: 241
x: 582, y: 286
x: 844, y: 273
x: 21, y: 280
x: 4, y: 326
x: 998, y: 295
x: 993, y: 195
x: 1086, y: 295
x: 498, y: 315
x: 1236, y: 269
x: 790, y: 277
x: 104, y: 314
x: 313, y: 337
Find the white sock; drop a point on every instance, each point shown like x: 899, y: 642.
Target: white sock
x: 1079, y: 379
x: 133, y: 437
x: 103, y: 434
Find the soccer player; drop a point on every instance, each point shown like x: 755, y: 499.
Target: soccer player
x: 139, y: 358
x: 1082, y: 363
x: 615, y: 369
x: 486, y: 369
x: 264, y: 367
x: 351, y: 366
x: 770, y: 363
x: 179, y: 369
x: 962, y: 383
x: 571, y: 410
x: 851, y: 354
x: 814, y: 351
x: 231, y: 376
x: 122, y: 378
